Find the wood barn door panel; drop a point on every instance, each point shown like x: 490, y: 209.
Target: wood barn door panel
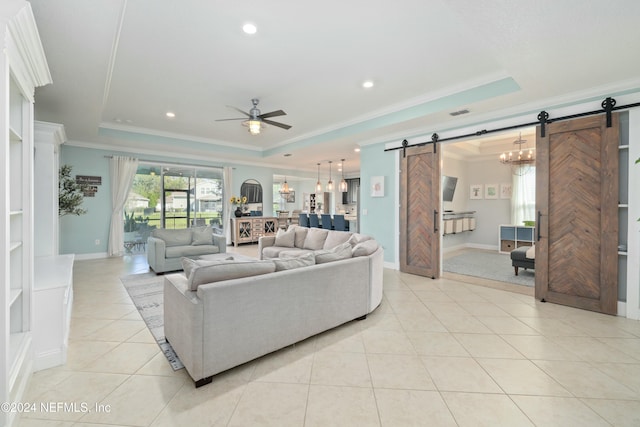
x: 419, y: 201
x: 577, y: 198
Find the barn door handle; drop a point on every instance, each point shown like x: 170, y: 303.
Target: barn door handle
x: 435, y: 221
x: 538, y: 224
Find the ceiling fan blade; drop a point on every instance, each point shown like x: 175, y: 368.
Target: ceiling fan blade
x: 239, y: 110
x: 280, y: 125
x: 224, y: 120
x: 273, y: 114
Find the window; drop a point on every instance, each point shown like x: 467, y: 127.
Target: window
x: 168, y: 196
x: 523, y: 199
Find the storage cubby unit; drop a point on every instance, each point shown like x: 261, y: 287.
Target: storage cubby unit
x: 511, y: 237
x: 23, y: 67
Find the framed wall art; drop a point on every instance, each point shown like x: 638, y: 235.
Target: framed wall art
x: 476, y: 191
x: 505, y: 191
x: 491, y: 191
x: 377, y: 186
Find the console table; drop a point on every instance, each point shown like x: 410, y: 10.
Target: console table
x: 458, y: 221
x: 248, y: 229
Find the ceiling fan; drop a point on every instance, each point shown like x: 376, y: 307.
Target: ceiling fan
x: 255, y: 120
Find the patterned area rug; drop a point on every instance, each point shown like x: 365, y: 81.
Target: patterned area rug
x: 488, y: 265
x: 146, y: 292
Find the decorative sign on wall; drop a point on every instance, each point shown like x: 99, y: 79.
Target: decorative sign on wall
x: 90, y: 191
x: 89, y: 183
x: 89, y: 180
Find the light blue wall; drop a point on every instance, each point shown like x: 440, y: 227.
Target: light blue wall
x: 78, y: 234
x: 380, y: 218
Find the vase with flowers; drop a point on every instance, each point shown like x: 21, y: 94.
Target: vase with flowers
x: 239, y: 203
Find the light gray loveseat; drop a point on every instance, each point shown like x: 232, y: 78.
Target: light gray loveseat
x: 223, y: 324
x: 166, y: 247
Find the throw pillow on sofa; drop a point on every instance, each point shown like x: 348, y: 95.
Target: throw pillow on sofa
x: 301, y: 234
x: 291, y: 263
x: 342, y: 251
x: 173, y: 237
x: 365, y: 248
x: 358, y: 238
x: 285, y: 239
x: 334, y: 238
x: 227, y: 270
x: 315, y: 238
x: 202, y: 236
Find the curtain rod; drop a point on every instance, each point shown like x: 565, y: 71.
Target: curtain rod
x: 171, y: 163
x: 608, y: 105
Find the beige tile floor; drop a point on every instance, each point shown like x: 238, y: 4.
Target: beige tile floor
x: 436, y: 352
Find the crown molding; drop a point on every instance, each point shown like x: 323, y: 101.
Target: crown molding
x: 24, y: 50
x: 49, y: 133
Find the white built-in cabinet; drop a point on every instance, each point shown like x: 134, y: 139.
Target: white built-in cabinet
x: 23, y: 67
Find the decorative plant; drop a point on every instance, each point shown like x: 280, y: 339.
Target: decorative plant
x: 70, y: 193
x: 238, y: 201
x: 130, y: 224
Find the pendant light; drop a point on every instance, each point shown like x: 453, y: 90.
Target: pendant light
x: 343, y: 183
x: 318, y: 184
x: 285, y: 187
x: 330, y: 183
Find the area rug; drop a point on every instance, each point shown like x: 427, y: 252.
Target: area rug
x: 146, y: 292
x: 488, y: 265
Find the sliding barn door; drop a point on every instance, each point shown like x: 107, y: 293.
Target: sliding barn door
x: 577, y: 200
x: 419, y: 217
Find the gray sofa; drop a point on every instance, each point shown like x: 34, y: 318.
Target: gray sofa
x: 225, y: 323
x: 166, y: 247
x: 298, y: 240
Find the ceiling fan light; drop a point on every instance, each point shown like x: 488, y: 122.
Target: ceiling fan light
x: 254, y: 126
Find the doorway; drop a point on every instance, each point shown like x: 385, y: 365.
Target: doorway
x: 496, y: 198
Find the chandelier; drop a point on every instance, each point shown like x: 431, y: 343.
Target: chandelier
x: 284, y: 190
x: 521, y: 159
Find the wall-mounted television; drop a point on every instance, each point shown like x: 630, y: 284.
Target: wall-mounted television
x: 448, y: 188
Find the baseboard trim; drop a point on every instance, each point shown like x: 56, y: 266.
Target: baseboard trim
x: 470, y: 246
x: 622, y: 309
x: 96, y: 255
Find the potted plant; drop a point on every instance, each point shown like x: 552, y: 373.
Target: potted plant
x: 131, y: 227
x: 70, y: 193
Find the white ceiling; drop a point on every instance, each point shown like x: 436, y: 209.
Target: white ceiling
x: 119, y: 65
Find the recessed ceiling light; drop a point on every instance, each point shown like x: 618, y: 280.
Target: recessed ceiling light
x: 367, y: 84
x: 249, y: 28
x: 171, y: 114
x: 357, y: 150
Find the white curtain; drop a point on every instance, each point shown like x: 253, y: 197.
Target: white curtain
x: 523, y: 197
x: 227, y: 192
x: 123, y: 170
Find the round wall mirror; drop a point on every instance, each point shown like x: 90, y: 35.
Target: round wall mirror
x: 252, y: 190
